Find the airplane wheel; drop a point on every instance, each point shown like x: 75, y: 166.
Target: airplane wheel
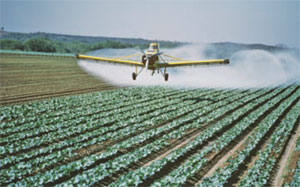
x: 134, y: 76
x: 166, y: 77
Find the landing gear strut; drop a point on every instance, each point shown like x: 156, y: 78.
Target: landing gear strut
x: 136, y: 73
x: 164, y: 74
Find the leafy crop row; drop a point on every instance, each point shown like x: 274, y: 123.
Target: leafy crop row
x: 136, y: 177
x: 81, y: 138
x: 71, y: 118
x: 86, y: 139
x: 296, y: 178
x: 59, y: 107
x: 115, y: 134
x: 72, y: 140
x: 260, y: 171
x: 220, y: 177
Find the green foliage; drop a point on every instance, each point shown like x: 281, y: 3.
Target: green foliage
x: 40, y: 45
x: 46, y: 45
x: 82, y: 39
x: 36, y: 136
x: 110, y: 44
x: 47, y: 42
x: 10, y: 44
x: 257, y: 176
x: 71, y: 47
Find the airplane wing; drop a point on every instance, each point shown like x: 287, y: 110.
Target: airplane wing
x: 110, y: 60
x: 194, y: 63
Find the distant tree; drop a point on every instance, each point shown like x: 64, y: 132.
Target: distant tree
x: 96, y: 46
x: 10, y: 44
x: 40, y: 45
x: 76, y: 47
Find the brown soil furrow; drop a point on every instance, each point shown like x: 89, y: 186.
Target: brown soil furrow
x: 73, y: 135
x: 181, y: 144
x: 49, y: 87
x: 39, y: 96
x: 252, y: 157
x: 90, y: 114
x: 220, y: 163
x: 110, y: 179
x: 89, y: 150
x: 175, y: 143
x: 50, y: 92
x: 40, y: 82
x: 95, y: 150
x: 47, y: 76
x: 190, y: 136
x: 283, y: 163
x: 135, y: 96
x: 217, y: 160
x: 98, y: 149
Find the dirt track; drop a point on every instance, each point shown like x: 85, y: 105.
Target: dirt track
x: 27, y: 78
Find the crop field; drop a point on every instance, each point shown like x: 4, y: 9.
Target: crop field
x: 154, y: 136
x: 30, y: 77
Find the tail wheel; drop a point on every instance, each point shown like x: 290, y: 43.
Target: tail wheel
x: 134, y: 75
x: 166, y: 76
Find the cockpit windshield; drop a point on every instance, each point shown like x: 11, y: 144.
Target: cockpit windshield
x: 153, y: 46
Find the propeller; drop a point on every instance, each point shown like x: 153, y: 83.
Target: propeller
x: 140, y: 49
x: 147, y: 63
x: 160, y: 53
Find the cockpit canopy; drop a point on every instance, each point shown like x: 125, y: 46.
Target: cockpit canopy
x: 153, y: 46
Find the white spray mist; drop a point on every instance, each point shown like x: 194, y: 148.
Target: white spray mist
x: 247, y: 69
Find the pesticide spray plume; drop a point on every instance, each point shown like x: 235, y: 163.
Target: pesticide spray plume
x: 247, y: 69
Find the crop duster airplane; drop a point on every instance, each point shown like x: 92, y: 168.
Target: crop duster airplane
x: 152, y: 59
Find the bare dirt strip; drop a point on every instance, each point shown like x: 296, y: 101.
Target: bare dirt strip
x: 283, y: 168
x: 25, y: 78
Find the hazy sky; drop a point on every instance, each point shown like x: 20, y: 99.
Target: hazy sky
x: 245, y: 21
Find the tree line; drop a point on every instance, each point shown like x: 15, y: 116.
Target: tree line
x: 40, y: 44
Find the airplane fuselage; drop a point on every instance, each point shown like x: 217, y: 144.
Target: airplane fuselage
x: 151, y: 55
